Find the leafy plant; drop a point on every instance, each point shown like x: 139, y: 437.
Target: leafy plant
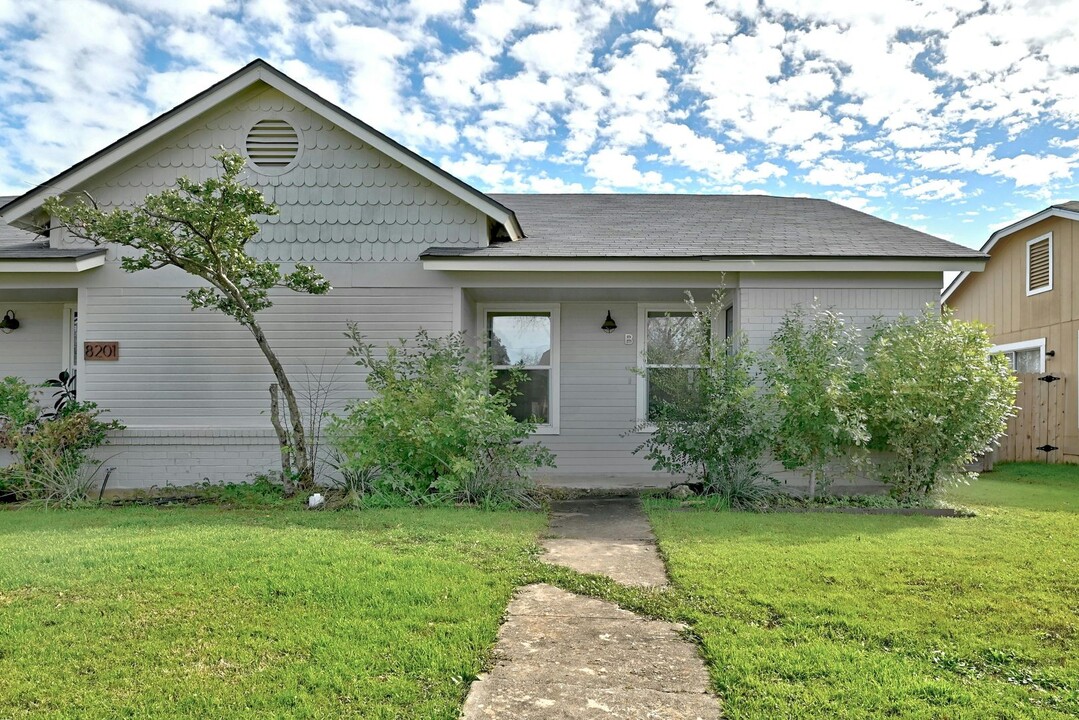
x: 934, y: 397
x: 436, y: 426
x: 810, y: 373
x: 203, y: 229
x: 714, y: 423
x: 50, y: 450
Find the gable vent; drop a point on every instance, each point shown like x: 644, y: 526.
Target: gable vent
x: 272, y: 144
x: 1040, y: 265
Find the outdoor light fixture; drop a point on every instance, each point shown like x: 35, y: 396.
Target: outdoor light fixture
x: 9, y: 323
x: 609, y: 324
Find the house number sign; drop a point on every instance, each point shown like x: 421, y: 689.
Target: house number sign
x: 96, y: 350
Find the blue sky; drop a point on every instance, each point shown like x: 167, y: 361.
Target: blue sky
x: 952, y: 116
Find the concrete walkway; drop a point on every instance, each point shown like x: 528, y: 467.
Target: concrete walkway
x: 605, y: 536
x: 561, y: 655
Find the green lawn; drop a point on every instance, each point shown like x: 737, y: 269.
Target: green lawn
x: 836, y: 616
x: 204, y: 612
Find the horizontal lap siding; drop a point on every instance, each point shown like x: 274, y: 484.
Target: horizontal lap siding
x: 183, y: 368
x: 34, y: 351
x: 598, y: 392
x: 761, y: 308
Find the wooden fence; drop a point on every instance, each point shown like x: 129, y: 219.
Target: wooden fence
x: 1039, y: 422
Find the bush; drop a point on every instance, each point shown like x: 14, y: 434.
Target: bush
x: 934, y: 397
x: 810, y: 373
x: 714, y: 425
x: 436, y: 429
x: 50, y: 449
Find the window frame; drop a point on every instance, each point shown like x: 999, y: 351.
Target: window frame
x: 1038, y: 344
x: 554, y: 384
x: 70, y: 343
x: 1030, y: 243
x: 643, y: 309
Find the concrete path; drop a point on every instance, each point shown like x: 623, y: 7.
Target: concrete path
x: 605, y: 536
x: 561, y: 655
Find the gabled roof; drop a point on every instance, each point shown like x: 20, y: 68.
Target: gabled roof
x: 1068, y: 210
x: 17, y: 212
x: 704, y: 226
x: 10, y: 235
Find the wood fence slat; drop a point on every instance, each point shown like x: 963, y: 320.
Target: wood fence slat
x: 1039, y: 420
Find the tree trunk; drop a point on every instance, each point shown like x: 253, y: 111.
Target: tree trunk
x: 282, y: 440
x: 305, y: 473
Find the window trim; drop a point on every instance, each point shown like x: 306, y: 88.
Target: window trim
x: 642, y: 350
x: 555, y: 389
x: 69, y: 360
x: 1038, y: 344
x: 1047, y: 236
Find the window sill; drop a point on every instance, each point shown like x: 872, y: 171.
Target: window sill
x: 545, y: 430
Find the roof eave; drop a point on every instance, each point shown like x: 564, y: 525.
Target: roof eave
x: 487, y: 263
x: 31, y: 264
x: 1004, y: 232
x: 18, y: 210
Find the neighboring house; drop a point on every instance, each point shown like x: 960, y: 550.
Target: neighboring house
x: 406, y: 245
x: 1025, y: 296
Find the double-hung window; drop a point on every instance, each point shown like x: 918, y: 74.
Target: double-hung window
x: 670, y: 359
x: 526, y: 340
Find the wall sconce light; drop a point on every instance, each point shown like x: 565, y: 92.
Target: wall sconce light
x: 9, y: 324
x: 609, y: 325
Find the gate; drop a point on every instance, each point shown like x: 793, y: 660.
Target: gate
x: 1036, y: 433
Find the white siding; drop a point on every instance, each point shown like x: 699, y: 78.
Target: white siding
x: 763, y: 300
x: 343, y: 200
x: 187, y: 368
x: 598, y: 393
x: 34, y: 352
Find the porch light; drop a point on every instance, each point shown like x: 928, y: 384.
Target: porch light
x: 9, y: 324
x: 609, y: 325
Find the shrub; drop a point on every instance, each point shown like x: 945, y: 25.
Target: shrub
x: 50, y: 449
x: 436, y: 427
x: 810, y: 373
x: 934, y: 397
x: 714, y: 424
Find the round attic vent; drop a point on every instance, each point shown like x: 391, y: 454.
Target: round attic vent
x: 272, y: 145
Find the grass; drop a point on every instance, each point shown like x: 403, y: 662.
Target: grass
x: 251, y: 612
x: 851, y: 616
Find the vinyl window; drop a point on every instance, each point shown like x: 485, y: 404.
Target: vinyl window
x: 526, y: 339
x: 1027, y: 356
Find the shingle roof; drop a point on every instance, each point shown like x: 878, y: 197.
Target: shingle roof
x: 10, y: 235
x: 629, y: 225
x: 1072, y: 205
x: 41, y: 251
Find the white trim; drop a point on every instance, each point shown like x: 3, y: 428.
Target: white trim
x: 710, y: 265
x: 69, y: 360
x: 1048, y: 236
x: 642, y: 350
x: 1005, y: 232
x: 53, y: 265
x: 555, y: 389
x: 243, y: 79
x: 1023, y: 345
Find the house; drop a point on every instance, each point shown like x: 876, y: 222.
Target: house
x: 1025, y: 296
x: 408, y: 246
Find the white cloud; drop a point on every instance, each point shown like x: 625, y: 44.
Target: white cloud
x: 843, y: 173
x: 614, y: 168
x: 933, y: 189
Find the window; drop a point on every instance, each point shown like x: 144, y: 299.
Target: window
x: 671, y: 357
x: 1040, y: 264
x: 70, y: 345
x: 1024, y: 357
x: 527, y: 339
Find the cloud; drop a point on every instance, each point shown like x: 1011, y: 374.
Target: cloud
x: 935, y: 189
x: 844, y: 173
x: 614, y: 168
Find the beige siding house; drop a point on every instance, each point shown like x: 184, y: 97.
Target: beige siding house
x: 1026, y: 296
x: 408, y: 246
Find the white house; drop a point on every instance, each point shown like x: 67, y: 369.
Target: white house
x: 408, y: 246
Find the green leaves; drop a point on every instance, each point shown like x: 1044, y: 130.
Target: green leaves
x: 934, y: 397
x: 810, y: 373
x: 202, y: 228
x: 437, y: 425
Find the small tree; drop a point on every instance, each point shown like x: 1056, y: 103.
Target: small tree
x: 711, y: 424
x: 810, y: 374
x: 935, y: 397
x: 203, y: 229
